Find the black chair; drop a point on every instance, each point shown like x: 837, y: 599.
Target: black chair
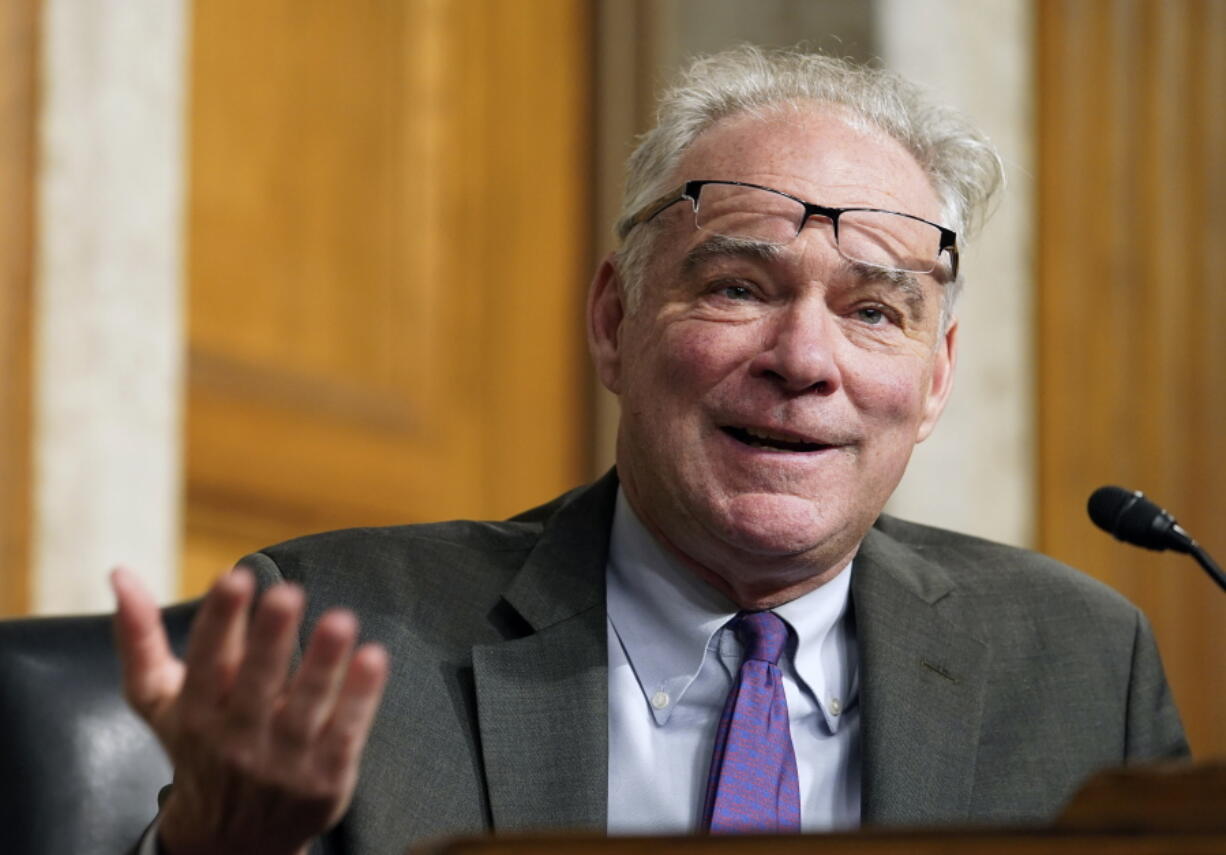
x: 81, y: 770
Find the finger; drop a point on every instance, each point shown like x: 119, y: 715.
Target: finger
x: 341, y: 743
x: 152, y: 675
x: 312, y: 693
x: 215, y: 647
x: 262, y: 674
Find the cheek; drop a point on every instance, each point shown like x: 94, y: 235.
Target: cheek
x: 691, y: 358
x: 893, y: 394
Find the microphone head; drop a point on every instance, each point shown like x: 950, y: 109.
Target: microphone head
x: 1132, y: 518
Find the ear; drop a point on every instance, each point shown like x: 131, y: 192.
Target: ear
x: 605, y: 312
x: 942, y: 381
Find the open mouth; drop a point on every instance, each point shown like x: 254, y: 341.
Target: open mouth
x: 771, y: 442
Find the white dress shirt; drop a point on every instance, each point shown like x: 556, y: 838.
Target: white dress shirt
x: 671, y: 665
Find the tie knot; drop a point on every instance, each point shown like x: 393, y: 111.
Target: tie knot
x: 763, y: 635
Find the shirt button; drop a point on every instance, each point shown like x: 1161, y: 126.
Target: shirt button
x: 659, y: 700
x: 836, y: 706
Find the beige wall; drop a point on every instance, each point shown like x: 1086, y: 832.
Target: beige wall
x: 107, y: 326
x: 976, y: 473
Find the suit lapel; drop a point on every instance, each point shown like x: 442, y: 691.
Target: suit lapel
x: 922, y: 690
x: 542, y: 700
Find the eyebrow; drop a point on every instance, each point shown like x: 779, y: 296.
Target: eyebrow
x: 721, y: 246
x: 900, y: 280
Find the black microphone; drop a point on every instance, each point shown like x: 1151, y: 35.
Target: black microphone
x: 1132, y: 518
x: 1128, y: 516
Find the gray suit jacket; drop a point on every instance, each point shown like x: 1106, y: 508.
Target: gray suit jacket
x: 993, y: 680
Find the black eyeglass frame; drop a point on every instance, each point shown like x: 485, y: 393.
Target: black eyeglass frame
x: 692, y: 190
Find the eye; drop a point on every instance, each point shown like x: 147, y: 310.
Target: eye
x: 736, y: 290
x: 872, y: 315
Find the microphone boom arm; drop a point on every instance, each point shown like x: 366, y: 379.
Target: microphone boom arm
x: 1202, y: 558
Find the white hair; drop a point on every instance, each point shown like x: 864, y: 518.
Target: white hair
x: 961, y: 163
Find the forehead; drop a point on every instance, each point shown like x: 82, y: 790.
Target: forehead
x: 817, y: 152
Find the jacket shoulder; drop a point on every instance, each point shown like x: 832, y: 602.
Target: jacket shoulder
x: 999, y: 578
x: 438, y: 574
x: 402, y: 570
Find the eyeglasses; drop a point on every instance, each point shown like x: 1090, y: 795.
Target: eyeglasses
x: 872, y: 236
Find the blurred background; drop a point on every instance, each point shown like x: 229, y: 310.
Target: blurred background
x: 274, y: 266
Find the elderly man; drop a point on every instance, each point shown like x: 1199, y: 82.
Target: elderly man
x: 725, y: 632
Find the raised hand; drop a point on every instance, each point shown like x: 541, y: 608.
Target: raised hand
x: 263, y: 761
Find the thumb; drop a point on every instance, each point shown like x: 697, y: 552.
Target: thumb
x: 152, y: 675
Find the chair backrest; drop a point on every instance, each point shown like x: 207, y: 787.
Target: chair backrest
x: 81, y: 771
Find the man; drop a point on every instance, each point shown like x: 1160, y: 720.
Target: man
x: 778, y: 327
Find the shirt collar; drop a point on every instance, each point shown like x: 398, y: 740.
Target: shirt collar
x: 667, y: 620
x: 664, y: 615
x: 826, y: 660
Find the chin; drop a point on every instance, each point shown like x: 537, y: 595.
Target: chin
x: 773, y: 525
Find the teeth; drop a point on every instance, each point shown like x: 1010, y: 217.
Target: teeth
x: 769, y: 437
x: 768, y: 441
x: 766, y: 447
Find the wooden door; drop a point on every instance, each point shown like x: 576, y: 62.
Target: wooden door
x: 18, y: 104
x: 388, y: 259
x: 1132, y: 276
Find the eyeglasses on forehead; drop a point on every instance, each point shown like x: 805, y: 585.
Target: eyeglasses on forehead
x: 874, y: 236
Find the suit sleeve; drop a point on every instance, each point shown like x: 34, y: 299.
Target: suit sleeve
x: 265, y: 570
x: 1154, y: 729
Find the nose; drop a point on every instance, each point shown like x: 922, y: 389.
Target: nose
x: 799, y: 349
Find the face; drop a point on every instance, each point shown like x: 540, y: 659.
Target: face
x: 770, y: 399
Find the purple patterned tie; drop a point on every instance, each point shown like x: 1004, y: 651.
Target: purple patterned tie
x: 753, y: 785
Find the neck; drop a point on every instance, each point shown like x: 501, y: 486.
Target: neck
x: 752, y: 582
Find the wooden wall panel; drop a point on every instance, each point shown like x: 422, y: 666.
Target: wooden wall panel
x: 18, y: 122
x: 388, y: 257
x: 1132, y: 267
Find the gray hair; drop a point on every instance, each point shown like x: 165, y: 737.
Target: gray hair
x: 964, y: 168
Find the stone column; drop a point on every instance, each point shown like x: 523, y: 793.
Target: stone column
x: 109, y: 296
